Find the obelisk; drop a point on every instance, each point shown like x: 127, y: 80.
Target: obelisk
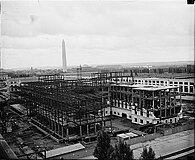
x: 64, y: 64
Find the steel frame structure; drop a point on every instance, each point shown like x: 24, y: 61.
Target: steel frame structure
x: 67, y: 109
x: 63, y: 111
x: 160, y: 101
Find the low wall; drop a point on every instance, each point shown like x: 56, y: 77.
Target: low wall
x: 149, y: 137
x: 177, y: 129
x: 144, y: 138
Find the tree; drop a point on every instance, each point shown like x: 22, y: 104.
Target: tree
x: 103, y: 148
x: 122, y: 151
x: 147, y: 154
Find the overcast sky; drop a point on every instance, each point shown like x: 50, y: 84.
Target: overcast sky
x: 97, y: 32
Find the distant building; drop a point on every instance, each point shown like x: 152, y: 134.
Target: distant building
x: 50, y: 77
x: 17, y: 81
x: 3, y: 85
x: 186, y: 86
x: 190, y: 68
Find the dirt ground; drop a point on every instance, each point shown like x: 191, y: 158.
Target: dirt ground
x: 119, y: 123
x: 25, y: 138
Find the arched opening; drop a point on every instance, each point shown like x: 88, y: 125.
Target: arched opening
x: 124, y: 115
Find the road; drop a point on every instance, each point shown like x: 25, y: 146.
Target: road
x: 167, y: 144
x: 162, y: 146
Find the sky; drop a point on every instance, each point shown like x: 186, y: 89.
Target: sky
x: 95, y: 32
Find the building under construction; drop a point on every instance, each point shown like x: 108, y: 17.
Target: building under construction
x: 75, y: 109
x: 67, y: 109
x: 145, y: 104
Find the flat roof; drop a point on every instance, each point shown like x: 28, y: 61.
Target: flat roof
x: 122, y: 135
x: 126, y: 84
x: 64, y: 150
x: 146, y: 87
x: 155, y: 88
x: 167, y: 79
x: 127, y: 135
x: 131, y: 134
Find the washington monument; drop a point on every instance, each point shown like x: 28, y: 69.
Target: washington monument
x: 64, y: 64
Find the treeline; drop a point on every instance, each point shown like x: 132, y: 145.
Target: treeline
x: 156, y: 70
x: 181, y: 69
x: 15, y: 75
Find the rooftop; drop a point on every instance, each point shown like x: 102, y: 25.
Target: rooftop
x: 167, y: 79
x: 146, y: 87
x: 155, y: 88
x: 64, y: 150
